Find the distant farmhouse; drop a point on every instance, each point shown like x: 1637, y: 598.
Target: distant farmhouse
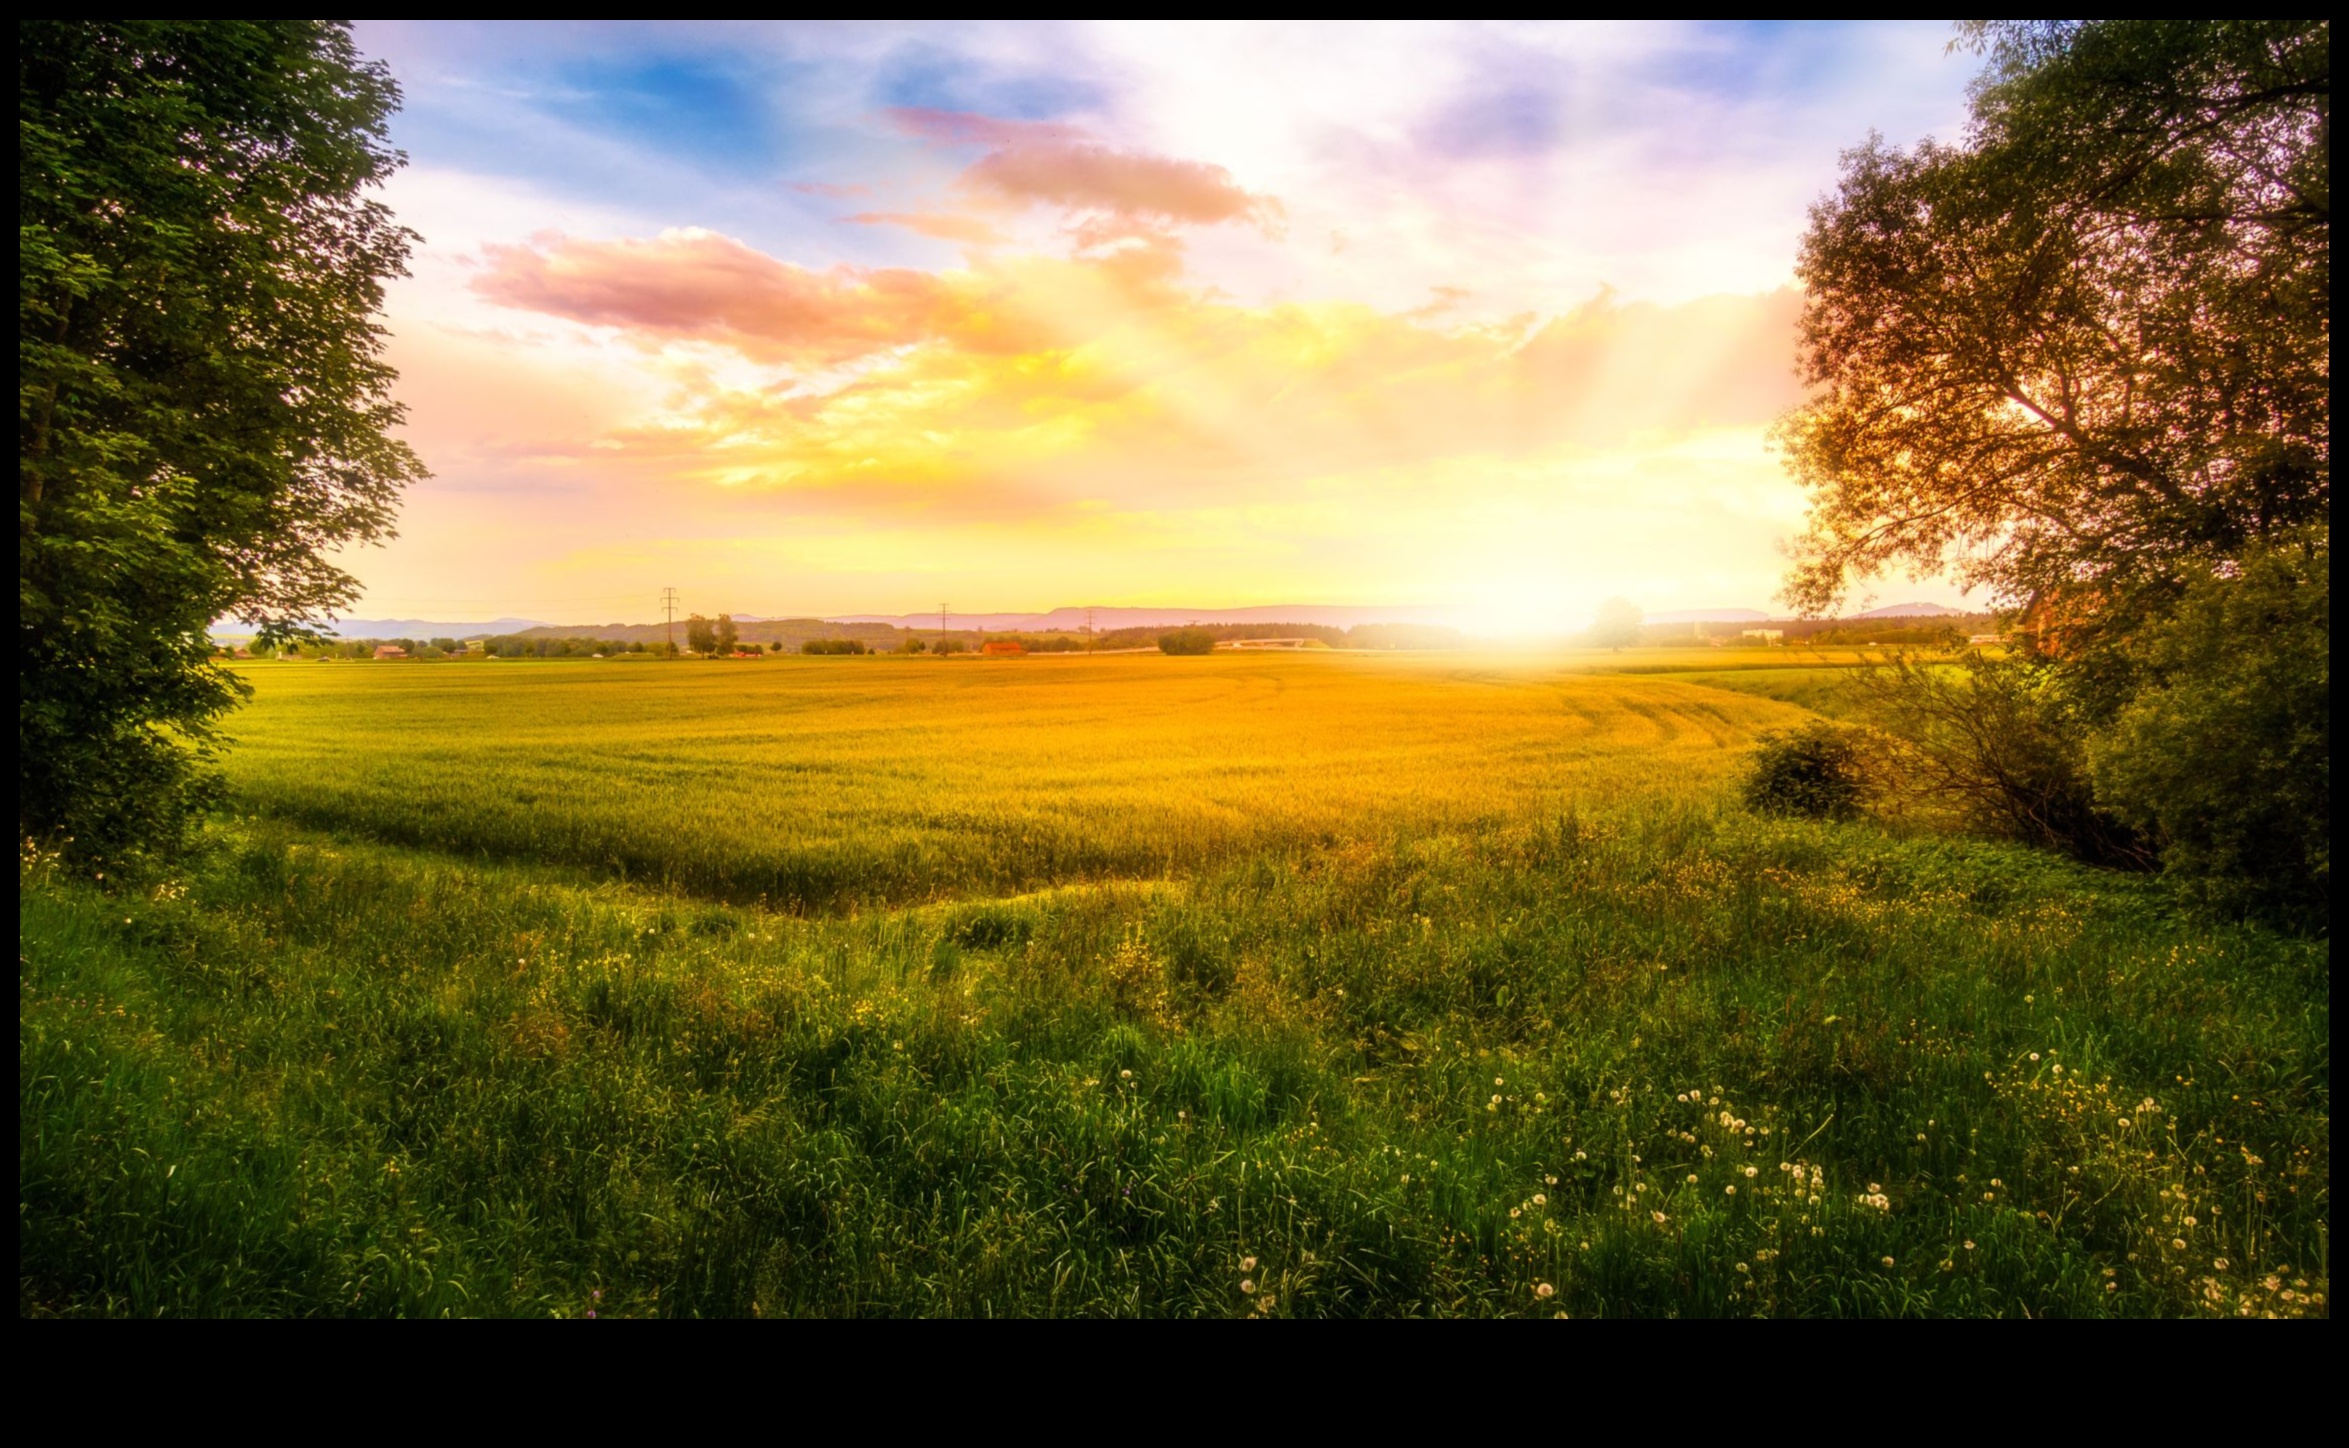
x: 1002, y: 649
x: 390, y: 651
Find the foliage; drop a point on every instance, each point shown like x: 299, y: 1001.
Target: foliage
x: 1188, y: 642
x: 2093, y: 343
x: 1993, y: 746
x: 701, y: 636
x: 727, y: 637
x: 1616, y: 625
x: 203, y: 412
x: 834, y: 646
x: 1815, y: 771
x: 2225, y: 754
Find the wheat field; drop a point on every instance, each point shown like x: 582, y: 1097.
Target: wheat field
x: 812, y: 783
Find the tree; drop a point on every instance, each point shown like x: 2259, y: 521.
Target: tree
x: 1617, y: 624
x: 701, y: 635
x: 2084, y: 359
x: 727, y: 636
x: 1191, y: 642
x: 2089, y: 345
x: 203, y: 411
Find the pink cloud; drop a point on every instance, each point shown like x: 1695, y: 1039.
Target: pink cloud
x: 1052, y: 164
x: 941, y: 225
x: 962, y: 128
x: 696, y: 284
x: 829, y: 188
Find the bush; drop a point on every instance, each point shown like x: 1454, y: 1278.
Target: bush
x: 1814, y: 772
x: 834, y: 646
x: 2225, y: 754
x: 1187, y: 641
x: 1995, y: 747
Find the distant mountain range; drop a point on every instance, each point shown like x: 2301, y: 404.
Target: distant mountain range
x: 394, y: 628
x: 1912, y: 610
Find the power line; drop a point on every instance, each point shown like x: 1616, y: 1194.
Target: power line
x: 669, y: 612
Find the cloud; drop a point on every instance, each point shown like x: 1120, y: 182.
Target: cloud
x: 1029, y: 384
x: 692, y: 285
x: 963, y: 128
x: 1124, y: 192
x: 939, y: 225
x: 1123, y: 183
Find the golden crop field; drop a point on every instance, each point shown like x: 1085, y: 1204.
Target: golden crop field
x: 809, y: 782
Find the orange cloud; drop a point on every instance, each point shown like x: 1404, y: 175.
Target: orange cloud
x: 1124, y: 183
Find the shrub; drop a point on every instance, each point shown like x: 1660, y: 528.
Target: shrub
x: 1814, y: 772
x: 1994, y: 746
x: 2225, y: 754
x: 1187, y: 641
x: 834, y: 646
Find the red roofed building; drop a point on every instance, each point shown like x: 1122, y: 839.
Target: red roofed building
x: 1002, y: 649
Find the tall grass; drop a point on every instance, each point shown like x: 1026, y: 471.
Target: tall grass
x: 1631, y: 1055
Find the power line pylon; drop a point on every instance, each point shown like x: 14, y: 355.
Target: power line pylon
x: 669, y: 611
x: 1089, y: 636
x: 942, y: 628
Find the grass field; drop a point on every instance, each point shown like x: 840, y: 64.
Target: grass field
x: 1231, y: 986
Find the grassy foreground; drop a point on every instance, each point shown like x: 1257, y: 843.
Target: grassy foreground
x: 1454, y: 1044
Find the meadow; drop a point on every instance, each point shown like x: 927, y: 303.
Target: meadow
x: 1248, y: 985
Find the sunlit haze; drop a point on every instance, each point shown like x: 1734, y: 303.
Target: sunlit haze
x: 842, y: 319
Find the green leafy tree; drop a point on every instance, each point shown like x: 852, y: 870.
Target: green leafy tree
x: 727, y: 636
x: 203, y: 411
x: 2084, y: 359
x: 1187, y: 642
x: 701, y: 635
x: 1617, y: 624
x: 2091, y: 343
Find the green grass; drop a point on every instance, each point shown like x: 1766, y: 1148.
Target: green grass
x: 1425, y: 1054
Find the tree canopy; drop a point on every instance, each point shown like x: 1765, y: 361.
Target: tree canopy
x: 203, y: 409
x: 2091, y: 344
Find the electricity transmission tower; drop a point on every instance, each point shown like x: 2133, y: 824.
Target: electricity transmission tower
x: 669, y: 612
x: 1089, y: 639
x: 942, y: 628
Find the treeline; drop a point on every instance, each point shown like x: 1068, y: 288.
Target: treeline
x: 1929, y: 631
x: 767, y: 632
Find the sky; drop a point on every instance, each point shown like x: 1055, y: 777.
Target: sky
x: 824, y: 319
